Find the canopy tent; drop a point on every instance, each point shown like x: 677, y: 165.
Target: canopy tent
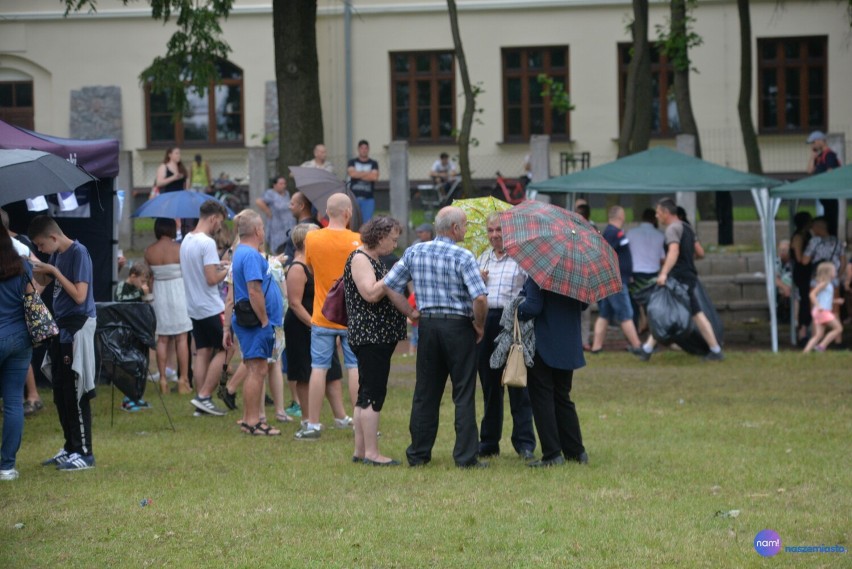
x: 663, y: 170
x: 836, y: 184
x: 98, y: 230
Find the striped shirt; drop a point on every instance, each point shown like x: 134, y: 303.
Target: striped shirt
x: 446, y: 277
x: 505, y: 278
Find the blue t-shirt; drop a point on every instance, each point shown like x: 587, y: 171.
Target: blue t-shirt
x: 617, y: 239
x: 12, y: 304
x: 249, y: 265
x: 75, y: 264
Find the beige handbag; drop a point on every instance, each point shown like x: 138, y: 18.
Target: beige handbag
x: 515, y: 372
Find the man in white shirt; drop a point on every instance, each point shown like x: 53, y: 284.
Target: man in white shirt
x: 320, y: 159
x: 444, y: 172
x: 504, y: 279
x: 202, y: 272
x: 647, y: 248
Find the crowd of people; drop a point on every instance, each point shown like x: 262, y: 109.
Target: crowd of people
x: 259, y: 300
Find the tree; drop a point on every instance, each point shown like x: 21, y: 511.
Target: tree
x: 198, y: 44
x: 752, y: 149
x: 297, y: 77
x: 469, y: 103
x: 635, y: 132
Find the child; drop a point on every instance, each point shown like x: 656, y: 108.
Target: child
x: 822, y: 300
x: 135, y: 288
x: 70, y: 358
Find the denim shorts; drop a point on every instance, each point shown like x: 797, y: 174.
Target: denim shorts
x: 323, y: 344
x: 616, y: 308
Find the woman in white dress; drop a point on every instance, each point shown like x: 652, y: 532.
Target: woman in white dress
x: 163, y: 256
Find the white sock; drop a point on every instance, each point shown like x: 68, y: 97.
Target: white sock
x: 314, y: 426
x: 716, y: 349
x: 647, y: 349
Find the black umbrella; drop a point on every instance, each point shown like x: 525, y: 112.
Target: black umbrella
x: 318, y: 185
x: 31, y: 173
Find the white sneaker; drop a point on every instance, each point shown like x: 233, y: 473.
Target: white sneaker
x: 8, y: 474
x: 171, y: 374
x: 155, y: 377
x: 206, y: 405
x: 344, y: 423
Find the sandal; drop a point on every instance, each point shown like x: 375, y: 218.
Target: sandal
x: 261, y: 429
x: 283, y: 417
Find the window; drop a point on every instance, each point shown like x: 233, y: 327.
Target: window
x: 793, y: 84
x: 214, y: 118
x: 664, y: 117
x: 525, y: 111
x: 423, y: 96
x: 16, y: 103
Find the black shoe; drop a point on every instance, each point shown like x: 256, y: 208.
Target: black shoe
x: 582, y: 458
x: 556, y: 461
x: 526, y: 454
x: 229, y: 399
x: 391, y: 462
x: 642, y: 354
x: 268, y: 401
x: 474, y: 465
x: 488, y: 453
x: 714, y: 357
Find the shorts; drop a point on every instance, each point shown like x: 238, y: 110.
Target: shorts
x: 277, y: 347
x: 323, y: 344
x: 821, y: 316
x: 207, y: 332
x: 374, y: 362
x: 257, y: 342
x: 616, y: 308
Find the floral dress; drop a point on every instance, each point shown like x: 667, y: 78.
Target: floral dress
x: 370, y: 323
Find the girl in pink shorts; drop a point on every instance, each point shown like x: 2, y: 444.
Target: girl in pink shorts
x: 826, y: 326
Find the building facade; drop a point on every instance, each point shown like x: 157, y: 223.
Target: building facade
x: 78, y: 76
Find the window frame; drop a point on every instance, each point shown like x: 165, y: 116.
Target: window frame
x: 781, y: 63
x: 412, y: 77
x: 663, y: 69
x: 17, y: 115
x: 178, y: 127
x: 524, y: 74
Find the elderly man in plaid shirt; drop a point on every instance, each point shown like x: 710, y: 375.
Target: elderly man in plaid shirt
x: 504, y: 280
x: 451, y: 298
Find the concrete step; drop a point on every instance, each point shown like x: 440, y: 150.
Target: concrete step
x: 730, y: 264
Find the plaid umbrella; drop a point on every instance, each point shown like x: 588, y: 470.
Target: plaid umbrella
x: 477, y: 211
x: 561, y: 251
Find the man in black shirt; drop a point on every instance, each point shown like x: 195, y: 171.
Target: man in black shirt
x: 363, y: 172
x: 679, y: 264
x: 823, y: 159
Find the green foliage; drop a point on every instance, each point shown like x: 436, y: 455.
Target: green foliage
x: 560, y: 100
x: 675, y: 44
x: 191, y: 53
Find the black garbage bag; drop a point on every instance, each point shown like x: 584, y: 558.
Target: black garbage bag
x: 668, y: 312
x: 693, y: 342
x: 124, y: 334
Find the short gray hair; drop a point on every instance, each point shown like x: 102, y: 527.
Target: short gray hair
x: 446, y: 218
x: 247, y: 221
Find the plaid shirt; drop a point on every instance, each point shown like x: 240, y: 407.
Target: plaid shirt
x: 505, y: 278
x: 446, y: 277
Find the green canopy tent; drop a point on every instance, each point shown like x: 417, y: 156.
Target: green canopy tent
x: 836, y: 184
x: 662, y: 170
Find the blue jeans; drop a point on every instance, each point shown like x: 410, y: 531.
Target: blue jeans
x: 367, y: 207
x: 16, y: 352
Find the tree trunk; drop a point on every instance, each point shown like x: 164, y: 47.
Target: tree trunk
x: 469, y: 104
x: 752, y: 149
x: 297, y: 77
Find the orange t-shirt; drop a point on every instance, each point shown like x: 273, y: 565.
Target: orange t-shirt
x: 326, y: 251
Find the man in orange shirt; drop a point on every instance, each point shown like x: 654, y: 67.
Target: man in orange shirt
x: 326, y: 251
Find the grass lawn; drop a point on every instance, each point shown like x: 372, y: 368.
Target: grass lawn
x: 674, y: 445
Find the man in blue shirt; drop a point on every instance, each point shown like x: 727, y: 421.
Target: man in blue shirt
x: 451, y: 298
x: 617, y: 308
x: 254, y: 284
x: 72, y: 355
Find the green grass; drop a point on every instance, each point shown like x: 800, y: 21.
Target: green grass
x: 671, y: 443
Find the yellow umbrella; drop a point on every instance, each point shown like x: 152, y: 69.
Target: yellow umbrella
x: 477, y: 211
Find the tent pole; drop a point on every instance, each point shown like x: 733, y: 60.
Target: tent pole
x: 766, y: 211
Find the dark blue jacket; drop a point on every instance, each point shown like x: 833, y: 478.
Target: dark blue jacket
x: 557, y: 326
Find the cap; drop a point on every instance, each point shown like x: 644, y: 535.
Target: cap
x: 816, y: 135
x: 424, y: 227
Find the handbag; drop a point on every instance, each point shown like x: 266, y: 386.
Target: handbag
x: 515, y: 371
x: 40, y: 322
x: 334, y: 307
x: 245, y: 314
